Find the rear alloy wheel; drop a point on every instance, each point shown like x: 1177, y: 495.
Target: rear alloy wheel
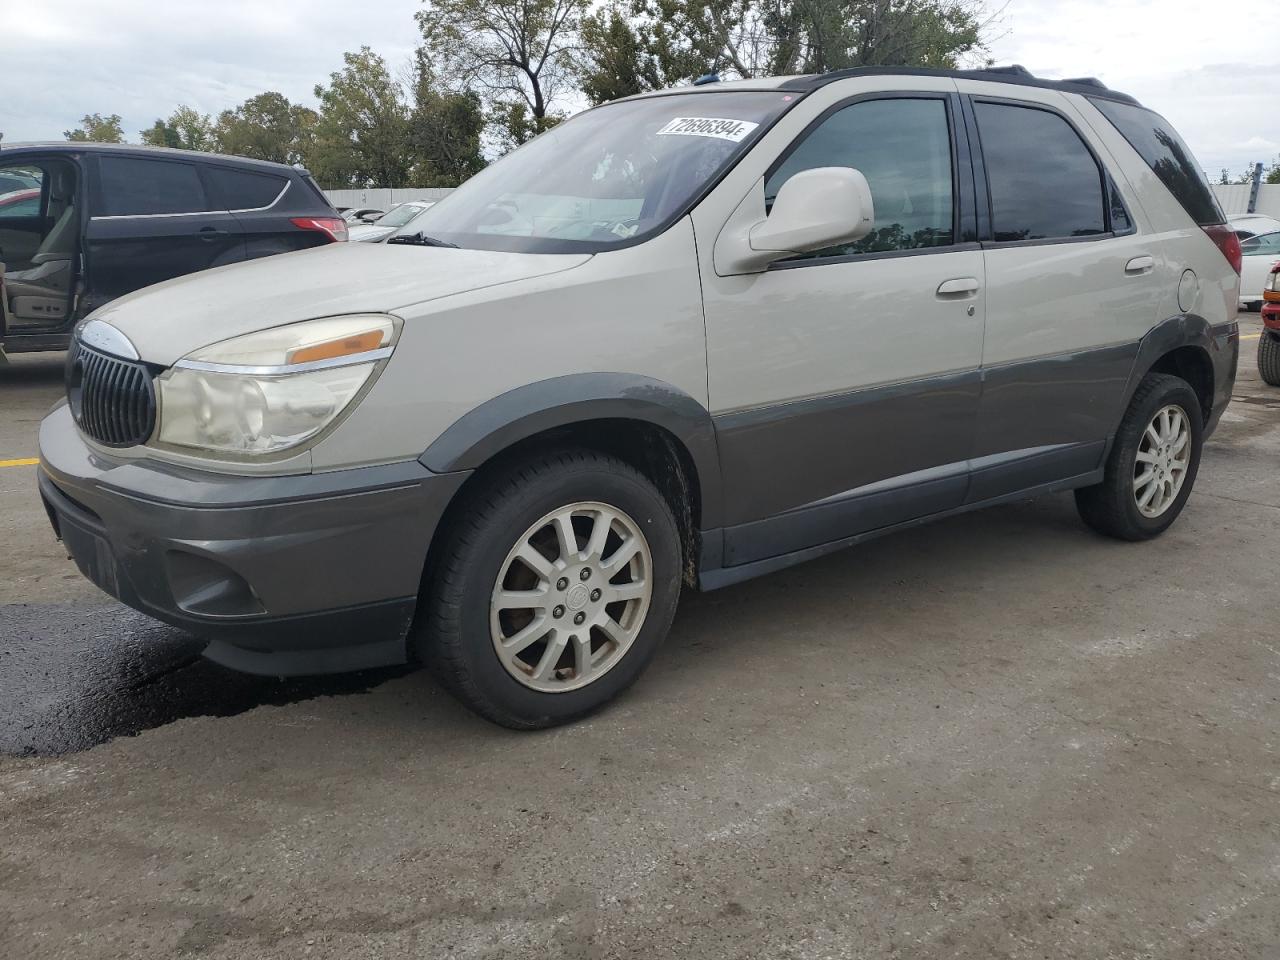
x: 1152, y: 464
x: 1269, y: 358
x: 553, y: 587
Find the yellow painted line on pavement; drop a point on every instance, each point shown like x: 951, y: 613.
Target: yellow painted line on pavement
x: 29, y: 462
x: 1250, y: 336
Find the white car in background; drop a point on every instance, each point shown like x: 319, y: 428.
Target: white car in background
x: 1258, y: 255
x: 389, y: 222
x: 1248, y: 225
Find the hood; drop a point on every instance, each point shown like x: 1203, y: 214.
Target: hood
x: 168, y: 321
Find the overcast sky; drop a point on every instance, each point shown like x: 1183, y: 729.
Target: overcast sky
x: 1216, y: 78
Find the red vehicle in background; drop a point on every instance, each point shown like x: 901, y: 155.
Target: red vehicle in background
x: 1269, y: 342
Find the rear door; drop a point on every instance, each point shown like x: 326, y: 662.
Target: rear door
x: 151, y: 219
x: 259, y: 202
x: 1071, y: 291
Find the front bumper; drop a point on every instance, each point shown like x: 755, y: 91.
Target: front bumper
x: 316, y: 573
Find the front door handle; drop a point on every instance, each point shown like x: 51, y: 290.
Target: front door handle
x: 960, y: 288
x: 1140, y: 265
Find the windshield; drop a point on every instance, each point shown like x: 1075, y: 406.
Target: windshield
x: 400, y: 215
x: 606, y: 178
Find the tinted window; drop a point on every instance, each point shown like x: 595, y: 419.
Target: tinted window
x: 243, y: 189
x: 1044, y: 182
x: 903, y: 148
x: 130, y: 185
x: 1167, y: 156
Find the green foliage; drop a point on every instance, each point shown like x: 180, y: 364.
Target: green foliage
x: 444, y: 132
x: 1273, y: 174
x: 160, y: 134
x: 265, y: 127
x: 519, y: 56
x: 98, y: 129
x: 363, y: 130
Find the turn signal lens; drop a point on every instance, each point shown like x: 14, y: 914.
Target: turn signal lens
x: 335, y: 228
x: 344, y: 347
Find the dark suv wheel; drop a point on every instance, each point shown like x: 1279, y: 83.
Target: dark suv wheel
x: 1152, y: 465
x: 1269, y: 358
x: 554, y: 589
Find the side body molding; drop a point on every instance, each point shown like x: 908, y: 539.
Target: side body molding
x: 1220, y: 343
x: 577, y: 398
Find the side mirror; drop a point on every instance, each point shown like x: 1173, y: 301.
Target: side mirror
x: 814, y: 209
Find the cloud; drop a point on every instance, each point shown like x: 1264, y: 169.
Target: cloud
x: 1214, y: 80
x: 141, y: 58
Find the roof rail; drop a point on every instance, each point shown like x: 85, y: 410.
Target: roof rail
x: 1014, y: 74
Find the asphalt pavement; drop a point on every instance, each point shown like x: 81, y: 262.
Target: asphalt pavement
x: 997, y: 736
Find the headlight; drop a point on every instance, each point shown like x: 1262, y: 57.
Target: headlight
x: 272, y: 390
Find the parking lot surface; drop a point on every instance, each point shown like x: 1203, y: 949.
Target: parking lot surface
x: 997, y: 736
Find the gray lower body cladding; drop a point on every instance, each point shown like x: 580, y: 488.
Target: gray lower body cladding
x: 284, y: 575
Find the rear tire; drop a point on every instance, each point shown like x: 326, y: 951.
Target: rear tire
x: 1269, y: 358
x: 593, y: 632
x: 1149, y: 472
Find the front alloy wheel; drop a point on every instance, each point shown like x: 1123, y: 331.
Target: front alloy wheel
x: 552, y: 588
x: 571, y: 597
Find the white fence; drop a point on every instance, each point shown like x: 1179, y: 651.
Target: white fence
x: 384, y: 198
x: 1234, y: 198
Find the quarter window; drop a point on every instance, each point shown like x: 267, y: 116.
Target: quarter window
x: 1044, y: 182
x: 242, y: 189
x: 1267, y: 243
x: 133, y: 186
x: 903, y: 148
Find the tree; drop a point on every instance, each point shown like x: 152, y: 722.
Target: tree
x: 265, y: 127
x: 749, y: 38
x: 622, y: 54
x: 519, y: 55
x: 98, y: 129
x: 1273, y: 174
x: 444, y: 131
x: 194, y: 129
x: 362, y: 135
x: 160, y: 134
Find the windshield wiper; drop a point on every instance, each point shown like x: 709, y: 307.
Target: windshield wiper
x: 422, y: 240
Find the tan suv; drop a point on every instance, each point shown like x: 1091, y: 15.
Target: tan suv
x: 680, y: 340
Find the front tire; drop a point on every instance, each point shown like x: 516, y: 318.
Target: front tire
x: 1152, y: 465
x: 553, y: 590
x: 1269, y: 358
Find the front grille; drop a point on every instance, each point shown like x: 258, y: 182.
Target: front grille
x: 113, y: 400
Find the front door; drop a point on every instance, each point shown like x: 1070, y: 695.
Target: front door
x: 150, y: 220
x: 844, y: 383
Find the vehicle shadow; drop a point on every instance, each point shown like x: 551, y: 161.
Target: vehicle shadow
x: 32, y: 369
x: 76, y: 675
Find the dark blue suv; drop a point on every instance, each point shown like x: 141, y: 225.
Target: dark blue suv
x: 84, y: 223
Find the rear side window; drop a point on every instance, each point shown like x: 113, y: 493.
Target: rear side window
x: 903, y: 148
x: 131, y: 186
x: 1167, y: 156
x: 1044, y: 182
x: 244, y: 189
x: 1267, y: 243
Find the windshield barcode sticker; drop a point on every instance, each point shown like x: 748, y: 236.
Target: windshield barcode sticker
x: 717, y: 127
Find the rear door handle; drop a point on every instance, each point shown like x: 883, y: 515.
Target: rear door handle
x: 210, y: 233
x: 1140, y: 265
x: 960, y: 288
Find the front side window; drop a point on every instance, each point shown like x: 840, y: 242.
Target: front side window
x: 606, y: 178
x: 131, y: 186
x: 1044, y: 182
x: 903, y: 148
x: 20, y: 192
x: 399, y: 216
